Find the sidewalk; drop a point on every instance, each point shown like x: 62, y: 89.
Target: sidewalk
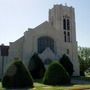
x: 77, y: 81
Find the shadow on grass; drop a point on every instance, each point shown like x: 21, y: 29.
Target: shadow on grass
x: 18, y: 89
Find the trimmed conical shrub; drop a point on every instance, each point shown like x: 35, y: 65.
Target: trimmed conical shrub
x: 66, y: 63
x: 17, y: 76
x: 36, y: 67
x: 56, y: 75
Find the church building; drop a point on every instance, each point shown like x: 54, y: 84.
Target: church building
x: 51, y: 39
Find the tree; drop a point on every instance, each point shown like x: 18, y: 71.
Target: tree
x: 56, y: 75
x: 36, y: 67
x: 17, y: 76
x: 84, y: 59
x: 66, y: 63
x: 82, y: 66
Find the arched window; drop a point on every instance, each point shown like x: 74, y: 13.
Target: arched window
x: 45, y: 42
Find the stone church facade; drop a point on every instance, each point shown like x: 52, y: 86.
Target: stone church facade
x: 50, y: 40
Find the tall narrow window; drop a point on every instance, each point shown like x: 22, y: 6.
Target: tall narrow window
x: 64, y: 36
x: 64, y: 24
x: 68, y: 36
x: 67, y: 51
x: 66, y: 28
x: 68, y: 24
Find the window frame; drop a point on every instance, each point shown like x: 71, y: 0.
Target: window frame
x: 45, y: 42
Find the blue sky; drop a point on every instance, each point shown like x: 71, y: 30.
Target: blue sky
x: 16, y: 16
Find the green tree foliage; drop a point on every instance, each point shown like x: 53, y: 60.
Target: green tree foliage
x: 83, y: 67
x: 36, y: 67
x: 17, y: 76
x: 56, y: 75
x: 84, y: 52
x: 84, y: 58
x: 66, y: 63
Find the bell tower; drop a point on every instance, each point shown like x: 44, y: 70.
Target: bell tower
x: 62, y: 18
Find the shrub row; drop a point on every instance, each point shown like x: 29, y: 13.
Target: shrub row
x: 17, y: 76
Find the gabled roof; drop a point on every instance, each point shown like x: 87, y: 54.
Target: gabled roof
x: 45, y: 24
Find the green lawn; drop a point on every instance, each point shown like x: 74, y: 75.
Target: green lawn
x: 73, y: 87
x: 39, y: 86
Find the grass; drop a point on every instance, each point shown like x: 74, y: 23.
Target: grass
x: 39, y: 86
x: 73, y: 87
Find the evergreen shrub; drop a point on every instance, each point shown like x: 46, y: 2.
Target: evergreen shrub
x: 17, y: 76
x: 36, y: 67
x: 67, y: 64
x: 56, y: 75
